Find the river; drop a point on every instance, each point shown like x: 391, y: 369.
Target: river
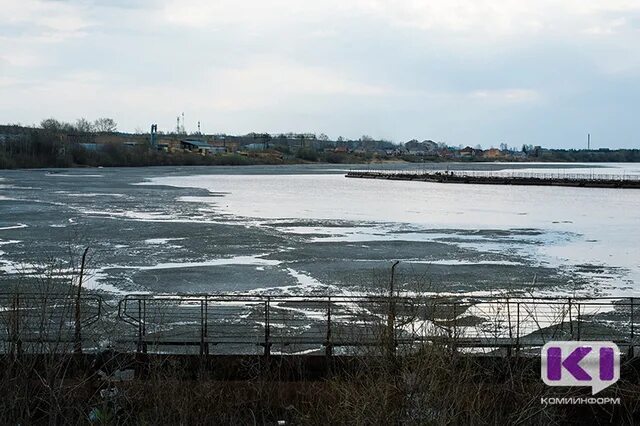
x: 308, y: 230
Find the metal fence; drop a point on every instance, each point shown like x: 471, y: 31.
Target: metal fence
x: 39, y: 323
x: 252, y: 324
x: 280, y: 324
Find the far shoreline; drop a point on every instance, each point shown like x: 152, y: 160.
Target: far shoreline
x: 395, y: 162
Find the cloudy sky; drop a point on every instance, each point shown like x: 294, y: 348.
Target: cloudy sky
x: 469, y: 72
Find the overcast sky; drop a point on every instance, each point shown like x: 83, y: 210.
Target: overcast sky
x: 543, y: 72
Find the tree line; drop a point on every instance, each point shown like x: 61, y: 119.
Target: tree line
x: 62, y: 144
x: 82, y: 125
x: 51, y: 146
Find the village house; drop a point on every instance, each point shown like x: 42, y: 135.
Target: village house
x: 493, y: 153
x: 467, y: 152
x: 196, y: 145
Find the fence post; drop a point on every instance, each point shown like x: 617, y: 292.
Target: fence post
x: 455, y: 325
x: 78, y: 324
x: 391, y: 319
x: 16, y: 341
x: 267, y: 328
x: 202, y: 350
x: 142, y: 326
x: 139, y: 325
x: 578, y: 320
x: 570, y: 320
x: 510, y: 328
x: 328, y: 346
x: 632, y: 346
x: 206, y: 324
x: 518, y: 326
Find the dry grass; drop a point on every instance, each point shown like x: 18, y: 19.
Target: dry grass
x: 431, y: 387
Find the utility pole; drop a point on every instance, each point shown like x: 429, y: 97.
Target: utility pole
x: 589, y: 141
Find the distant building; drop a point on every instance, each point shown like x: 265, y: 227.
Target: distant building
x: 467, y: 152
x: 225, y: 145
x: 493, y: 153
x: 255, y: 147
x: 196, y: 145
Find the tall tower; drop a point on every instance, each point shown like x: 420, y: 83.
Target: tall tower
x: 183, y: 130
x: 589, y: 141
x: 154, y: 135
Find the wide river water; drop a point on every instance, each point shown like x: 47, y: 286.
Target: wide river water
x: 308, y: 229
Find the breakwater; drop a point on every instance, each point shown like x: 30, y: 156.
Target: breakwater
x: 507, y: 178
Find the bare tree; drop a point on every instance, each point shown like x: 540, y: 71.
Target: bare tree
x: 84, y: 126
x: 51, y: 124
x: 105, y: 125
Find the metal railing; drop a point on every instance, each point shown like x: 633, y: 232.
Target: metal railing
x: 33, y: 322
x: 287, y: 324
x: 261, y: 324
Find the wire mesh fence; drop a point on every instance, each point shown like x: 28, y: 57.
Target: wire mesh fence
x: 286, y: 325
x: 43, y: 323
x: 250, y: 324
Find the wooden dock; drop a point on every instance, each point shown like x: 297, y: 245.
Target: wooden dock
x: 507, y: 178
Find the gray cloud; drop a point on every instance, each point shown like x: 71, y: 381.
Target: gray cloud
x: 467, y: 74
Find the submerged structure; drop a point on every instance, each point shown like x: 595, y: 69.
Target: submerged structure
x: 507, y: 178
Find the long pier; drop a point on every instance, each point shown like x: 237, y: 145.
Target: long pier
x: 506, y: 178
